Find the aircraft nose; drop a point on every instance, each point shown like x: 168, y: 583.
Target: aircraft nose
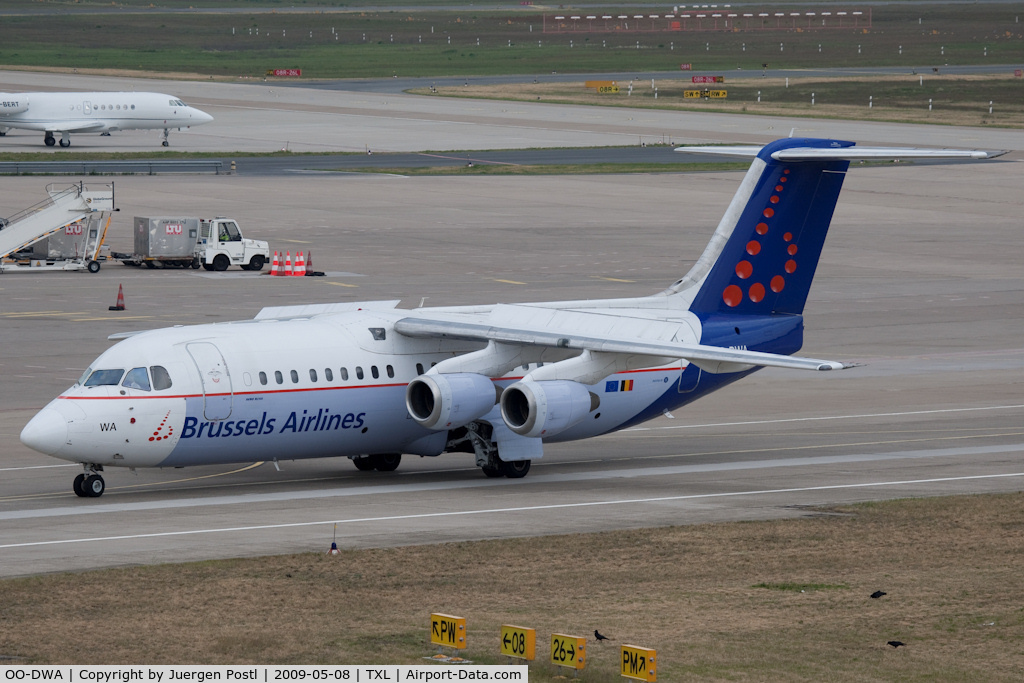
x: 47, y: 432
x: 201, y: 116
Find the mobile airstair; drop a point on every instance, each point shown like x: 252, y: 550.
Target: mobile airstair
x: 78, y: 216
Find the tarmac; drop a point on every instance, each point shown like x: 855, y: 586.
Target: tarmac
x: 919, y: 281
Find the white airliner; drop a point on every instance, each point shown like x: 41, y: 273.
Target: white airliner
x: 371, y: 382
x: 95, y: 112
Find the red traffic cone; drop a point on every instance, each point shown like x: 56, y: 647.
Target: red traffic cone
x: 275, y: 267
x: 309, y: 263
x: 300, y: 265
x: 288, y: 262
x: 120, y: 300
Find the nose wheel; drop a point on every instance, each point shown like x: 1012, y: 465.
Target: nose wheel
x: 89, y: 485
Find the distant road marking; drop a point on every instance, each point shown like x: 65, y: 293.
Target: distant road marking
x: 510, y: 282
x: 342, y: 284
x: 111, y: 317
x: 937, y: 411
x: 611, y: 279
x: 528, y: 508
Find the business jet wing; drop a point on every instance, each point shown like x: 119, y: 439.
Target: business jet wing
x: 57, y: 126
x: 585, y: 331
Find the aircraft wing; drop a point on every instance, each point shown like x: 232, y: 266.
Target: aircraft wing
x: 57, y: 126
x: 551, y: 334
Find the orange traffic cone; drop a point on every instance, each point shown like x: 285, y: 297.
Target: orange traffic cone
x: 288, y: 262
x: 120, y: 300
x: 300, y: 265
x: 275, y: 267
x: 309, y: 263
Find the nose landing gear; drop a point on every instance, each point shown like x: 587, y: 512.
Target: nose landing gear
x: 90, y: 484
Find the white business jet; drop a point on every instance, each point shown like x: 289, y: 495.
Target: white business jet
x: 371, y: 382
x: 95, y: 112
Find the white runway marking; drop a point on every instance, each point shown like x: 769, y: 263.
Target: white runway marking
x: 825, y: 417
x: 545, y: 479
x: 528, y: 508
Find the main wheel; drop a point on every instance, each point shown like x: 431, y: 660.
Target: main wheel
x: 94, y: 266
x: 221, y: 262
x: 388, y: 462
x: 94, y: 486
x: 257, y: 262
x: 492, y: 472
x: 196, y: 263
x: 364, y: 464
x: 77, y: 486
x: 65, y: 143
x: 50, y: 140
x: 516, y: 469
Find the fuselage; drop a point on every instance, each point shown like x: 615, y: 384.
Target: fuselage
x: 100, y: 112
x: 289, y: 389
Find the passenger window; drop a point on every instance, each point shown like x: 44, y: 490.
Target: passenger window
x: 344, y: 374
x: 263, y: 378
x: 391, y: 372
x: 137, y: 378
x: 328, y: 374
x: 374, y: 371
x: 161, y: 378
x: 104, y: 378
x: 312, y: 375
x: 278, y: 377
x: 359, y: 372
x: 419, y: 368
x: 295, y: 376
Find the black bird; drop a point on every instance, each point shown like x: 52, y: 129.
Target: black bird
x: 599, y: 636
x: 895, y: 643
x: 878, y: 594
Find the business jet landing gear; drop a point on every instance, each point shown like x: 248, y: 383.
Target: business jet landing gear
x: 90, y: 484
x: 49, y: 140
x: 167, y: 133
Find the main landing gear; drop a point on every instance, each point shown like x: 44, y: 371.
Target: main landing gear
x: 382, y: 462
x: 49, y: 140
x: 90, y: 484
x: 477, y: 440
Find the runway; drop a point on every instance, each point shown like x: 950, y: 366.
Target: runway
x: 918, y: 281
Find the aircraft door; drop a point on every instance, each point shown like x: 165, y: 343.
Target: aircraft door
x: 86, y: 107
x: 213, y: 372
x: 689, y: 378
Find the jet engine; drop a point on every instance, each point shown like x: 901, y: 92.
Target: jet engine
x: 545, y: 408
x: 452, y: 400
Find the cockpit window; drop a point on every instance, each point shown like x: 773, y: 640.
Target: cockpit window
x: 137, y: 378
x: 104, y: 378
x: 161, y: 378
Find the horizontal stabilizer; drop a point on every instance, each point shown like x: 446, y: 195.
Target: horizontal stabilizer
x: 846, y: 153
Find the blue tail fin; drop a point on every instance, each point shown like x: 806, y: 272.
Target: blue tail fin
x: 773, y: 232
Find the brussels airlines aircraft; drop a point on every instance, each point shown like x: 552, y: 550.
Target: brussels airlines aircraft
x: 369, y: 381
x: 95, y: 112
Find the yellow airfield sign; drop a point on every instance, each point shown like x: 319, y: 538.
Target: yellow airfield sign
x: 570, y: 651
x: 518, y: 641
x: 697, y: 94
x: 639, y: 663
x: 448, y: 631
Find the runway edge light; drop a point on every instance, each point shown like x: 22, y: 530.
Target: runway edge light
x: 448, y: 631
